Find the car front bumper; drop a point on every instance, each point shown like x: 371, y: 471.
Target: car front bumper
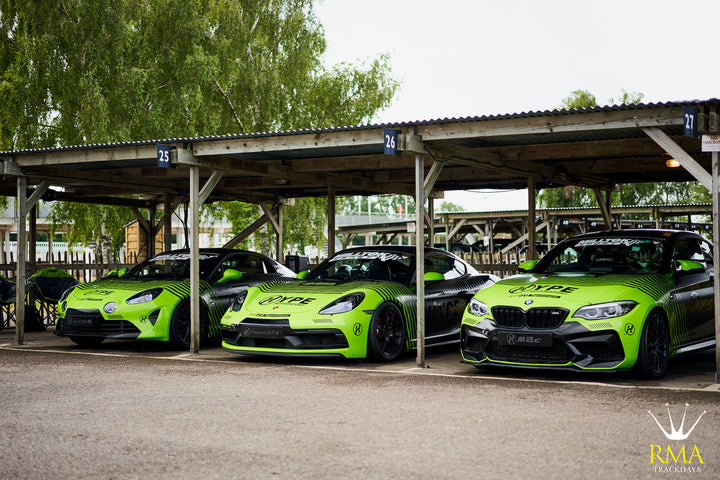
x: 571, y: 345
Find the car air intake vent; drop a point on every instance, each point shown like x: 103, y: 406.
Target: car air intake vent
x: 540, y: 318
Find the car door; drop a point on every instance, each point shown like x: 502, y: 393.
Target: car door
x: 445, y: 300
x: 694, y: 290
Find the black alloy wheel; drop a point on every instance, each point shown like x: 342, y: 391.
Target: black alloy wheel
x: 654, y: 349
x: 386, y: 337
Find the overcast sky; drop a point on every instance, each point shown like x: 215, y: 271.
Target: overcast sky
x: 457, y: 58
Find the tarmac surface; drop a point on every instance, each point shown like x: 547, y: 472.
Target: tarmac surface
x: 691, y: 372
x: 138, y: 410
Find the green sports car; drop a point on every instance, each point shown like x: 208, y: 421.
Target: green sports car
x: 152, y: 300
x: 359, y: 303
x: 626, y: 299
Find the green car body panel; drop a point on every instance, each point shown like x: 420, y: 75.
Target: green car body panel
x: 151, y: 319
x: 532, y: 319
x: 299, y: 304
x: 144, y: 302
x: 308, y: 317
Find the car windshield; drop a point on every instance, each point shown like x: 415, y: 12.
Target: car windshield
x: 363, y: 265
x: 604, y: 255
x: 171, y: 265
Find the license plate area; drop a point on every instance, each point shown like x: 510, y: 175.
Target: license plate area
x: 260, y: 331
x: 522, y: 339
x: 84, y: 322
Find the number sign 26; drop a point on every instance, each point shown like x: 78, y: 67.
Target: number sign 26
x: 390, y: 137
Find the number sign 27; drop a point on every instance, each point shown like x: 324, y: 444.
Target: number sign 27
x: 690, y: 116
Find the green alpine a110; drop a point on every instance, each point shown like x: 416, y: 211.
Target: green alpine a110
x: 152, y: 300
x: 360, y: 302
x: 626, y: 299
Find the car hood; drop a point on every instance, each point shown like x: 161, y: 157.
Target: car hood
x: 310, y: 296
x: 95, y: 294
x: 572, y: 290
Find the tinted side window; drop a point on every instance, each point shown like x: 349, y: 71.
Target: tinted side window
x: 690, y: 249
x: 249, y: 264
x: 448, y: 266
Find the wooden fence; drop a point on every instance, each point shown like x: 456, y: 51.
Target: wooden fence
x: 85, y: 267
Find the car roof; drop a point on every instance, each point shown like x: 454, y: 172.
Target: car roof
x: 406, y: 249
x: 215, y: 250
x: 664, y: 234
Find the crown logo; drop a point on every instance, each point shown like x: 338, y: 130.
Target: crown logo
x: 677, y: 434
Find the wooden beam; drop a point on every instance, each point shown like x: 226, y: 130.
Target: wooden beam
x: 687, y: 162
x: 247, y: 232
x: 209, y: 186
x: 493, y: 161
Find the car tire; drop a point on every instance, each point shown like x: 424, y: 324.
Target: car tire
x: 179, y: 333
x: 87, y: 341
x: 386, y: 335
x: 654, y: 349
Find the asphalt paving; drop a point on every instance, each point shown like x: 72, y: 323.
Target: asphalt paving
x: 129, y: 410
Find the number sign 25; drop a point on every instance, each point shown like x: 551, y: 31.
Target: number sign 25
x: 163, y: 156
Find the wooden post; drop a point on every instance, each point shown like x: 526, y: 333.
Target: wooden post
x: 532, y: 235
x: 21, y: 258
x: 331, y: 220
x: 716, y: 258
x: 194, y: 260
x: 420, y: 256
x: 167, y: 237
x: 279, y: 253
x: 32, y: 244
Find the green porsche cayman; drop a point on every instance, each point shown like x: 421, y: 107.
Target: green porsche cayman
x: 152, y: 300
x: 359, y: 303
x: 626, y: 299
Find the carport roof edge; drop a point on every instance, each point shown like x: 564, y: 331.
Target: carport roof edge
x: 304, y: 131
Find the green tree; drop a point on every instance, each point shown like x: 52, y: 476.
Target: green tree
x: 628, y: 194
x: 579, y: 99
x: 119, y: 70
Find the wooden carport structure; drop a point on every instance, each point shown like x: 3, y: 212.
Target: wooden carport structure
x: 598, y: 148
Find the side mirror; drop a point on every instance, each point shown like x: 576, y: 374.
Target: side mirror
x: 229, y: 275
x: 690, y: 266
x: 302, y: 275
x: 116, y: 273
x: 527, y: 266
x: 433, y: 277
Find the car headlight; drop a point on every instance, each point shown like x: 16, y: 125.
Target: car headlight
x: 66, y: 294
x: 238, y: 301
x: 143, y: 297
x: 605, y: 310
x: 476, y: 307
x: 344, y: 304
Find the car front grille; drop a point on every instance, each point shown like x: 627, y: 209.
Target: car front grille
x: 537, y: 318
x: 91, y: 323
x: 276, y: 333
x: 559, y: 354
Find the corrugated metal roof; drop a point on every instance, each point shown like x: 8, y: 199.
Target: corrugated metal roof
x: 529, y: 139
